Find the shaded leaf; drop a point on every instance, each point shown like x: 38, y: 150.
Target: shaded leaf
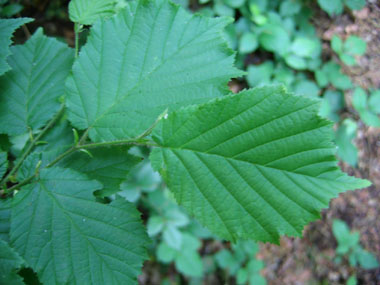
x: 10, y: 262
x: 109, y: 165
x: 65, y: 236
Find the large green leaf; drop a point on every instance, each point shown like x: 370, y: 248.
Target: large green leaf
x: 255, y: 165
x: 151, y: 56
x: 110, y: 166
x: 86, y: 12
x: 10, y: 262
x: 7, y: 27
x: 30, y: 91
x: 67, y: 237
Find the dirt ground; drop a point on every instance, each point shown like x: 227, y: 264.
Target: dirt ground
x: 310, y: 260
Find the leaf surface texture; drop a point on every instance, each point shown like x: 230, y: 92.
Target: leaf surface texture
x: 30, y: 91
x: 255, y: 165
x: 67, y: 237
x: 151, y: 56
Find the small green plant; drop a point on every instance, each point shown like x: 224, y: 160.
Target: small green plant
x: 367, y: 106
x: 349, y: 247
x: 336, y: 7
x: 255, y: 165
x: 240, y: 262
x: 353, y: 46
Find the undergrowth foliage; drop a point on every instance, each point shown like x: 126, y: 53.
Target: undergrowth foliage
x: 254, y: 165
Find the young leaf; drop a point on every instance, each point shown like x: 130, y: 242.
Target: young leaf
x: 86, y: 12
x: 355, y: 45
x: 110, y: 166
x: 151, y: 56
x: 331, y: 7
x: 30, y: 91
x: 262, y: 158
x: 7, y: 27
x: 275, y: 38
x: 10, y: 262
x: 67, y: 237
x: 355, y: 4
x: 3, y: 163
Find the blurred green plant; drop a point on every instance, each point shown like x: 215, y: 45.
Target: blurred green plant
x: 347, y: 50
x: 349, y: 247
x: 240, y: 261
x: 368, y: 106
x: 335, y: 7
x: 9, y: 8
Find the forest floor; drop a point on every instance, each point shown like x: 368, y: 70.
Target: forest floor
x: 309, y: 260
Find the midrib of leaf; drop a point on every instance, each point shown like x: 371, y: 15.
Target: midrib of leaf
x: 57, y: 203
x: 143, y: 79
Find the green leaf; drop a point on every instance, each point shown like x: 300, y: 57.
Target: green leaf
x: 86, y: 12
x: 10, y: 262
x: 347, y: 59
x: 248, y: 43
x: 109, y: 165
x: 336, y: 77
x: 355, y: 45
x: 306, y: 88
x: 10, y: 10
x: 260, y: 74
x: 5, y: 214
x: 374, y: 102
x: 234, y: 3
x: 352, y: 280
x: 173, y: 237
x: 7, y: 27
x: 367, y: 260
x: 295, y: 61
x: 346, y: 239
x: 344, y: 137
x: 155, y: 225
x: 189, y: 263
x: 370, y: 118
x: 305, y: 47
x: 152, y: 56
x: 331, y: 7
x: 336, y: 44
x: 333, y: 102
x: 355, y: 4
x: 275, y: 38
x: 30, y: 91
x: 290, y: 7
x: 165, y: 253
x: 65, y: 236
x: 262, y: 157
x: 359, y: 99
x: 3, y: 163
